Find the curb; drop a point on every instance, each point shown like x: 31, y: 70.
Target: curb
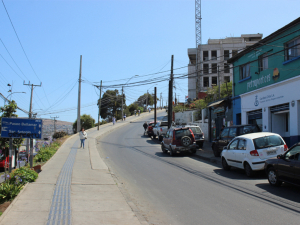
x: 208, y: 159
x: 12, y: 203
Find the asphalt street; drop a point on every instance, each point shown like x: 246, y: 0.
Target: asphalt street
x: 186, y: 190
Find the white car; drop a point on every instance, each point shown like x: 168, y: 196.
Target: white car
x: 250, y: 151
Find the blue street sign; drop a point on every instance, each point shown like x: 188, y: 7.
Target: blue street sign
x: 21, y: 128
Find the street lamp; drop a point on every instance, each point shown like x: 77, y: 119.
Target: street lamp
x: 123, y: 94
x: 11, y: 94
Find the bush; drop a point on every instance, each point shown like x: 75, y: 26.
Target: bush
x: 141, y: 108
x: 22, y: 176
x: 59, y: 134
x: 46, y: 152
x: 9, y: 191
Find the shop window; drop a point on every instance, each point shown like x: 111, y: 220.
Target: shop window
x: 244, y: 71
x: 205, y: 55
x: 226, y: 54
x: 205, y: 68
x: 234, y: 52
x: 293, y: 49
x: 214, y: 81
x: 226, y: 68
x: 205, y: 81
x: 226, y: 79
x: 214, y: 67
x: 214, y: 55
x: 263, y: 62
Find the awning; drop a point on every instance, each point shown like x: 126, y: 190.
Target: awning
x: 215, y: 103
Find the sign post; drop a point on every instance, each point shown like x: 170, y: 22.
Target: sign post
x: 21, y: 128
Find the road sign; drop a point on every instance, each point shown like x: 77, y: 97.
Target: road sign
x: 21, y: 128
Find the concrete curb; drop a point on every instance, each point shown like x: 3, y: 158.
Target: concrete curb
x: 13, y: 202
x: 208, y: 159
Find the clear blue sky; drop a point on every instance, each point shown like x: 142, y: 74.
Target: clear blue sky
x: 117, y: 39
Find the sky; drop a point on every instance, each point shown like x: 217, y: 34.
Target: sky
x: 118, y: 39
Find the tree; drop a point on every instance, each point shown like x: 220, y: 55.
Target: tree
x: 133, y: 107
x: 111, y: 103
x: 142, y: 100
x: 86, y: 122
x: 9, y: 111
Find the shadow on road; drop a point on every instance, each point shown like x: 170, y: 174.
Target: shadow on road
x: 239, y: 174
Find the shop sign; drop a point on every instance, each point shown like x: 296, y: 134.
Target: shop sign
x: 258, y: 82
x: 266, y: 98
x: 219, y: 109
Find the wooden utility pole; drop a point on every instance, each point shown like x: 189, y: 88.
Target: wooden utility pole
x: 219, y: 83
x: 30, y: 116
x: 155, y: 105
x: 79, y: 96
x: 170, y: 94
x: 99, y: 104
x: 122, y: 102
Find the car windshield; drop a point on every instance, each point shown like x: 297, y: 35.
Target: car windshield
x: 180, y: 133
x: 267, y: 141
x: 196, y: 130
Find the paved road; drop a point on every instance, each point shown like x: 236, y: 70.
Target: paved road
x: 186, y: 190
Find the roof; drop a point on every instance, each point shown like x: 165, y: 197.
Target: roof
x: 257, y: 135
x: 263, y: 41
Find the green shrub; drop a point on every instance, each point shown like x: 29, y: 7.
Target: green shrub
x: 59, y: 134
x: 22, y: 176
x: 46, y: 152
x: 141, y: 108
x: 9, y: 191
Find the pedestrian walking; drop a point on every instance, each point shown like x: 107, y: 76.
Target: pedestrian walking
x: 149, y: 110
x: 83, y: 136
x: 145, y: 125
x: 114, y: 120
x: 135, y: 112
x: 124, y: 117
x: 139, y: 112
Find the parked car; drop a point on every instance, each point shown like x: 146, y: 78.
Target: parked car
x: 160, y: 129
x: 150, y: 129
x: 179, y: 140
x: 284, y: 168
x: 198, y: 133
x: 229, y: 133
x: 250, y: 151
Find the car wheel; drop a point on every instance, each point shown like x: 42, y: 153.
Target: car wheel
x: 273, y: 178
x: 163, y: 148
x: 215, y: 151
x: 248, y: 170
x: 200, y: 145
x: 186, y: 141
x: 154, y: 136
x: 225, y: 165
x: 171, y: 151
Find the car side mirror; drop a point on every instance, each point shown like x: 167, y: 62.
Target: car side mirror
x: 225, y: 148
x: 280, y: 157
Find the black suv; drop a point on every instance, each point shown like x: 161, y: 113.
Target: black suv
x: 229, y: 133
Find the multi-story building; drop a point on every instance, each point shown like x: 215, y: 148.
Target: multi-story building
x: 266, y: 83
x: 214, y: 55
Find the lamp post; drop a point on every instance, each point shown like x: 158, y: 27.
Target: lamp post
x: 123, y: 94
x: 11, y: 94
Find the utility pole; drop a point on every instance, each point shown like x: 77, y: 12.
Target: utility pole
x: 54, y: 119
x: 219, y: 84
x: 147, y: 100
x: 30, y: 116
x: 99, y: 104
x: 79, y: 96
x: 170, y: 95
x: 178, y: 99
x: 122, y: 102
x: 155, y: 105
x: 160, y: 98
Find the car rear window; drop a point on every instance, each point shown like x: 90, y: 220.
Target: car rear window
x: 180, y: 133
x: 249, y: 129
x: 151, y: 124
x: 267, y: 141
x: 196, y: 130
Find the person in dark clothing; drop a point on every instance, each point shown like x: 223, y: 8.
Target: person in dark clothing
x: 145, y: 125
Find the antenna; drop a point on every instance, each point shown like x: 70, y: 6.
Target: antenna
x: 198, y: 44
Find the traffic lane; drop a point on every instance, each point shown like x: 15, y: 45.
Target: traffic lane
x: 188, y: 190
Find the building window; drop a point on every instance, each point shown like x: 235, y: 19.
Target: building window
x: 205, y: 68
x: 263, y: 62
x: 293, y: 49
x: 234, y: 52
x: 226, y: 54
x: 205, y: 81
x: 244, y: 71
x: 214, y: 55
x: 226, y: 79
x: 205, y: 55
x: 214, y: 67
x: 226, y: 68
x: 214, y: 81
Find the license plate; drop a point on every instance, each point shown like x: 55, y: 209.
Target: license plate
x: 271, y: 152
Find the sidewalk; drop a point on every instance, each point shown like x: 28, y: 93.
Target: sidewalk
x: 74, y: 187
x: 206, y: 153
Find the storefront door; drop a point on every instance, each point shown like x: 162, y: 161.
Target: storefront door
x: 255, y: 117
x: 280, y: 121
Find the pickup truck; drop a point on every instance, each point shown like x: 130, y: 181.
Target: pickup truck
x: 161, y: 128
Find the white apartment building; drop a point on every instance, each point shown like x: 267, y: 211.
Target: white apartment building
x: 214, y: 56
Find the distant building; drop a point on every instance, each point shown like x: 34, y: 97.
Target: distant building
x: 216, y: 53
